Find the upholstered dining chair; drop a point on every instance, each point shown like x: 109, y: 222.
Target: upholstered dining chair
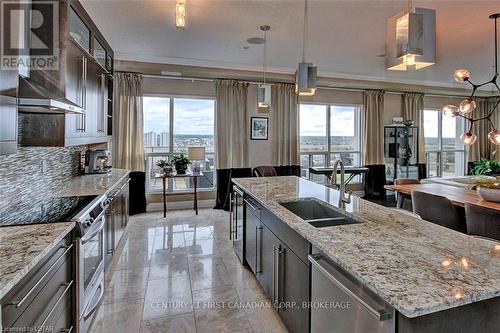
x: 438, y: 209
x: 401, y: 197
x: 482, y: 221
x: 264, y: 171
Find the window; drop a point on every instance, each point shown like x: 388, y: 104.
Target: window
x: 327, y: 133
x: 171, y: 125
x: 445, y: 153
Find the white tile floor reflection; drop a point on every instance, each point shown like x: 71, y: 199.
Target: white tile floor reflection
x: 164, y: 266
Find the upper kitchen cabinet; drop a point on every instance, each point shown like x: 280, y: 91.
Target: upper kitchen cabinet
x: 84, y: 79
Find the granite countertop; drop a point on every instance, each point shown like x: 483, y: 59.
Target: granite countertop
x: 22, y: 247
x: 412, y: 264
x: 93, y: 184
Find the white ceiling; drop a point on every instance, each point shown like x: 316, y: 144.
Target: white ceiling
x: 346, y: 40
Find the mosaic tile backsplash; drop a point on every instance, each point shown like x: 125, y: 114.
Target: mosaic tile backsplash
x: 23, y: 180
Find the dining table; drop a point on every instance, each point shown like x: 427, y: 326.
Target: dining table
x: 457, y: 195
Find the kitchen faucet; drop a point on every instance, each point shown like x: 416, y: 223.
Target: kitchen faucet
x: 341, y: 187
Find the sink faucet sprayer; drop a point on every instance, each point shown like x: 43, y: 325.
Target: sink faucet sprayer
x: 341, y: 187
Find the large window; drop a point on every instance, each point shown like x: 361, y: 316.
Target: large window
x: 171, y: 125
x: 445, y: 154
x: 329, y: 132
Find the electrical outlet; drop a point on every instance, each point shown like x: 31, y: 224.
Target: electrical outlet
x: 44, y: 166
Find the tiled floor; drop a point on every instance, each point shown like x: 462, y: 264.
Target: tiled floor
x: 180, y: 274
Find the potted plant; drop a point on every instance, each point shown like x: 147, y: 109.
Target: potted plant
x: 165, y: 166
x: 486, y: 167
x: 180, y: 163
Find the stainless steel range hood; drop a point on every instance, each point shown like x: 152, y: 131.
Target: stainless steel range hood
x: 35, y: 98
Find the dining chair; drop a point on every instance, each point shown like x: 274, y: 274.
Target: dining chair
x: 264, y: 171
x: 438, y: 209
x: 482, y: 221
x: 401, y: 197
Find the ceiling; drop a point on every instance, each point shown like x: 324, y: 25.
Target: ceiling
x: 346, y: 37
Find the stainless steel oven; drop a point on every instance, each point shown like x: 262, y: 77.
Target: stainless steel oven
x: 236, y: 227
x: 90, y: 267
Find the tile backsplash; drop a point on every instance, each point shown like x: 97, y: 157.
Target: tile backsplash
x: 34, y: 172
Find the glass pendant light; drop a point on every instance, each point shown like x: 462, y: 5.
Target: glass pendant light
x: 306, y: 75
x: 494, y: 137
x: 468, y: 138
x: 467, y: 106
x: 264, y: 90
x: 450, y: 110
x: 461, y: 75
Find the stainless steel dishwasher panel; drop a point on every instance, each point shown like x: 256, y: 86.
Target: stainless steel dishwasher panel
x: 339, y: 304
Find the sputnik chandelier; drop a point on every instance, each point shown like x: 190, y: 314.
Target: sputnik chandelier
x: 465, y: 109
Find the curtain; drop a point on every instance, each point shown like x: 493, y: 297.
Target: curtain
x: 413, y: 109
x: 231, y: 124
x: 373, y: 143
x: 285, y: 127
x: 483, y: 148
x: 129, y: 146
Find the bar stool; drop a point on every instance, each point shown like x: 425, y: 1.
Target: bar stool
x: 482, y: 221
x: 400, y: 197
x: 264, y: 171
x: 438, y: 209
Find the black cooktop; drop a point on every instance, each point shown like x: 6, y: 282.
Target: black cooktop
x: 44, y: 210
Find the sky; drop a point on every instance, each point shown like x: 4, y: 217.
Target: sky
x: 191, y: 116
x: 431, y: 125
x: 313, y: 120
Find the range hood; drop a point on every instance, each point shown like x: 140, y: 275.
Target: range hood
x: 35, y: 98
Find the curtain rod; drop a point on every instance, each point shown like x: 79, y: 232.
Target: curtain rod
x: 199, y: 79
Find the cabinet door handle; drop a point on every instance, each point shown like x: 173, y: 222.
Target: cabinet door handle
x: 84, y: 83
x: 20, y: 302
x: 251, y: 206
x: 42, y: 326
x: 275, y: 276
x: 231, y: 213
x: 258, y: 269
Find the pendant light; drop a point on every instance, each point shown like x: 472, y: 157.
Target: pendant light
x: 468, y: 105
x: 306, y: 75
x: 264, y: 89
x: 411, y: 39
x: 180, y: 14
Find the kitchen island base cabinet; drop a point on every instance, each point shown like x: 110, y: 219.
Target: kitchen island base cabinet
x: 283, y: 276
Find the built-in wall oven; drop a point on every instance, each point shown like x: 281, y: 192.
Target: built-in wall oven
x: 236, y: 227
x: 90, y: 268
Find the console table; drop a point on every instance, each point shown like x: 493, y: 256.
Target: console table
x: 192, y: 175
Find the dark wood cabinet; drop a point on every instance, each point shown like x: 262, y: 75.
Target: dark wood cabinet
x: 45, y: 296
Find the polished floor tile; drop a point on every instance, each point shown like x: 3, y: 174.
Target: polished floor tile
x: 180, y: 274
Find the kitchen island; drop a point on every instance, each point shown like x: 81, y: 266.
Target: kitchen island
x: 429, y: 274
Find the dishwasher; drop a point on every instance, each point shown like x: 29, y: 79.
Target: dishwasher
x: 339, y: 303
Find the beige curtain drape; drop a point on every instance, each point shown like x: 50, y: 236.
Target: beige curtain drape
x: 483, y: 148
x: 373, y: 137
x: 413, y: 109
x: 285, y: 126
x: 129, y: 123
x: 231, y: 124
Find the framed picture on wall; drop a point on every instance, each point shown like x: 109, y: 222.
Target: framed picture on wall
x: 259, y: 128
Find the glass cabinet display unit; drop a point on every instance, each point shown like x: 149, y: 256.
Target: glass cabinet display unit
x: 400, y: 152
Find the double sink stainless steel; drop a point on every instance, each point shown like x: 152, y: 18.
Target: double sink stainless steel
x: 317, y: 213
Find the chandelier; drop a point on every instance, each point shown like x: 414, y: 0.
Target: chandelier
x: 466, y: 108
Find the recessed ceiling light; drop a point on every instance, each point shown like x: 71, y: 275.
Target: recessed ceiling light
x: 169, y: 73
x: 256, y: 40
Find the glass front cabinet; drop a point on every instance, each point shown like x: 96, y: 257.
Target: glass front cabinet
x: 400, y: 152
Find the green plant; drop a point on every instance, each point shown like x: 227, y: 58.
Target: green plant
x: 486, y: 167
x: 180, y: 159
